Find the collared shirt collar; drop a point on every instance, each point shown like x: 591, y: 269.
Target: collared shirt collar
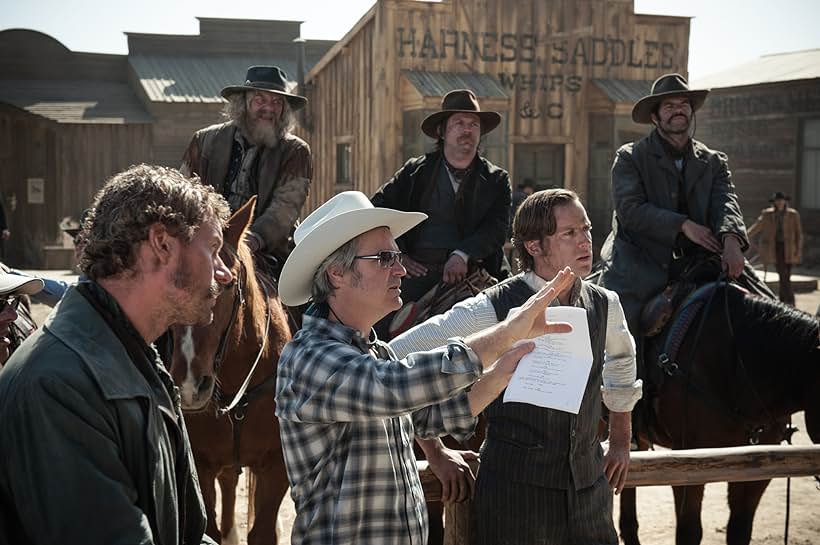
x: 536, y: 283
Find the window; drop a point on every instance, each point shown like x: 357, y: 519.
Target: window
x: 343, y: 170
x: 810, y: 165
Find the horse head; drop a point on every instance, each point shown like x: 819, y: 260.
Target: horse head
x: 198, y: 350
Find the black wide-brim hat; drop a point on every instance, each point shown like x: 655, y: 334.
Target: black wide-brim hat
x: 271, y: 79
x: 667, y: 86
x: 779, y: 195
x: 459, y: 101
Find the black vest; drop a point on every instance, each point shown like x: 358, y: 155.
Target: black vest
x: 547, y: 447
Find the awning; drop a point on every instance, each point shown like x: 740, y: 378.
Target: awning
x: 438, y: 84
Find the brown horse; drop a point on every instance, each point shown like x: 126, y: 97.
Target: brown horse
x: 226, y: 372
x: 728, y: 371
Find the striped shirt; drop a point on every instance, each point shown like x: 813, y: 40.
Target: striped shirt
x: 348, y: 412
x: 620, y: 388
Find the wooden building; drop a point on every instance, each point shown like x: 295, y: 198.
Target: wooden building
x: 564, y: 74
x: 765, y: 115
x: 70, y: 120
x: 67, y: 121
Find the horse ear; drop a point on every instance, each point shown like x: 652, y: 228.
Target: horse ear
x: 239, y: 223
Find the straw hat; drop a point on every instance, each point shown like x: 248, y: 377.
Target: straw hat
x: 342, y: 218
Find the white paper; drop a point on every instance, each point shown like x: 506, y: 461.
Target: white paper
x: 555, y: 373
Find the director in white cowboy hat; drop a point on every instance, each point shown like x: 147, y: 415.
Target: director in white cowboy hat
x: 348, y: 408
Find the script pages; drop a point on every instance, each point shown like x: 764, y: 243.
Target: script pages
x: 555, y: 374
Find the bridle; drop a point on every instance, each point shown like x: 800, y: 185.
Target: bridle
x: 236, y: 409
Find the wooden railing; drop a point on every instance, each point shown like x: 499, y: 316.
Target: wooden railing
x: 664, y: 467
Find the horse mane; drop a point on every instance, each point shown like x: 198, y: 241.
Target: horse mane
x: 757, y: 321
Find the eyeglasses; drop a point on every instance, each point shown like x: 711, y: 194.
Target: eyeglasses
x: 387, y: 258
x: 8, y: 302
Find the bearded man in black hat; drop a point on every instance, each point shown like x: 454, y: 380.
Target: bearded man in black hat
x: 255, y: 153
x: 674, y: 201
x: 466, y: 197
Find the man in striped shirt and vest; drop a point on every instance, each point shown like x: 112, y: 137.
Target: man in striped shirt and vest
x: 544, y: 476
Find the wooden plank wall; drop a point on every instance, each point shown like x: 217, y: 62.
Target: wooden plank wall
x: 759, y: 128
x: 545, y: 53
x: 73, y: 160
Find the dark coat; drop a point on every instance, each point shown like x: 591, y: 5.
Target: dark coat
x: 87, y: 446
x: 283, y: 176
x: 482, y: 215
x: 646, y: 223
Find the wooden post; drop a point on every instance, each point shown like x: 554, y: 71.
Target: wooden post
x: 663, y: 467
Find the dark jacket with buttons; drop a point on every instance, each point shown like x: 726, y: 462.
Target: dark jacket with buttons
x: 646, y: 222
x: 482, y: 207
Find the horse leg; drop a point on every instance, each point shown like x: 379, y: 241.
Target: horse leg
x: 688, y: 502
x: 628, y: 521
x: 228, y: 479
x: 207, y: 484
x: 270, y: 487
x: 743, y: 501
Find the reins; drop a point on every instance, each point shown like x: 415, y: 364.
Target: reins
x: 236, y: 409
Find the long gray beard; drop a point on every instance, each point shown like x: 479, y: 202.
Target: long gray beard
x: 261, y: 135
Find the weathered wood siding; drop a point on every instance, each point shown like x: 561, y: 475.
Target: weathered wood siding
x: 545, y: 55
x: 73, y: 160
x: 759, y: 128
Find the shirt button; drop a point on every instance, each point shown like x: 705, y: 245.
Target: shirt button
x: 572, y: 433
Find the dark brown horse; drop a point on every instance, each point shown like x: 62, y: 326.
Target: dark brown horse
x: 226, y: 372
x: 729, y: 370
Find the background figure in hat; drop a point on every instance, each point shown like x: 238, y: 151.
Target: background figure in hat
x: 12, y: 288
x: 674, y: 201
x: 348, y: 407
x: 92, y: 437
x: 466, y: 198
x: 255, y: 153
x: 780, y: 241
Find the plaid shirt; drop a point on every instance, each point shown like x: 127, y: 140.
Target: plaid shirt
x: 348, y: 412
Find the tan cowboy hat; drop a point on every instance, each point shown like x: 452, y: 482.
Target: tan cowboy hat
x: 14, y: 284
x: 342, y: 218
x: 459, y: 101
x: 267, y: 78
x: 666, y: 86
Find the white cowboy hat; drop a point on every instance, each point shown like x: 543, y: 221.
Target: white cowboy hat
x: 15, y: 284
x: 342, y: 218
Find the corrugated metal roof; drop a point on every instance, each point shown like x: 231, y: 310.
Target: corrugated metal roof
x: 622, y: 90
x: 767, y: 69
x: 76, y: 101
x: 438, y: 84
x: 187, y: 78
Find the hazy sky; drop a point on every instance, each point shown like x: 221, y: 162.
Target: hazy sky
x: 724, y: 32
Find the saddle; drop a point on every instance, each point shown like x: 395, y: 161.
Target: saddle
x: 439, y: 299
x: 656, y: 313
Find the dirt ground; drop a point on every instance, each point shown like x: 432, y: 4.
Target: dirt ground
x: 656, y: 509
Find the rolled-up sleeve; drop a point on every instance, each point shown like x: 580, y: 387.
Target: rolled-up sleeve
x: 621, y: 389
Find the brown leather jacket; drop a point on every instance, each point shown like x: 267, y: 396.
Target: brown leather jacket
x: 283, y: 176
x: 765, y: 228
